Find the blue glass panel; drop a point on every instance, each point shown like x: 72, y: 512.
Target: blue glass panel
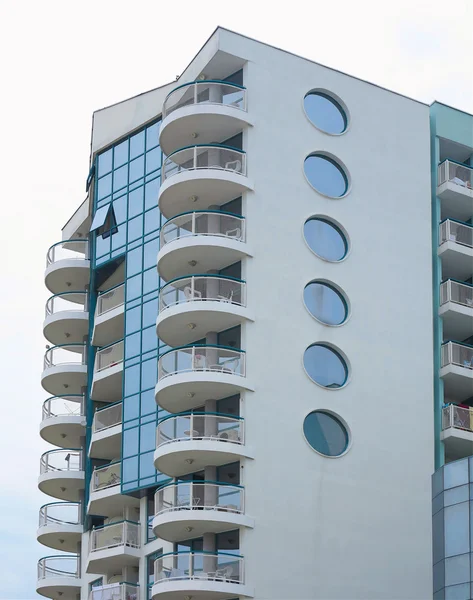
x: 133, y: 287
x: 146, y: 465
x: 152, y: 136
x: 102, y: 245
x: 457, y: 529
x: 119, y: 237
x: 438, y: 541
x: 150, y: 340
x: 130, y: 486
x: 150, y: 280
x: 151, y: 418
x: 149, y: 374
x: 456, y: 495
x: 135, y: 228
x: 130, y: 468
x: 132, y: 423
x: 150, y: 313
x: 101, y: 260
x: 437, y: 503
x: 457, y: 569
x: 136, y: 184
x: 151, y: 220
x: 132, y: 345
x: 151, y: 253
x: 325, y: 239
x: 458, y: 592
x: 137, y: 168
x: 132, y: 380
x: 100, y: 217
x: 104, y: 163
x: 104, y: 187
x: 130, y: 442
x: 153, y: 160
x: 148, y: 438
x: 455, y: 473
x: 120, y: 156
x: 439, y: 575
x: 325, y: 366
x: 134, y: 261
x: 325, y: 433
x: 120, y: 178
x: 135, y: 202
x: 325, y: 176
x: 325, y: 113
x: 152, y: 354
x: 131, y: 408
x: 325, y: 303
x: 148, y: 402
x: 134, y: 244
x: 133, y: 320
x: 119, y: 209
x: 151, y: 194
x: 437, y: 482
x: 137, y: 144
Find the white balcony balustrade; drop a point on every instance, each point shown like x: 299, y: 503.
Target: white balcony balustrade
x: 105, y: 496
x: 109, y: 316
x: 456, y: 249
x: 67, y: 318
x: 201, y: 241
x: 60, y: 526
x: 108, y: 373
x: 457, y: 431
x: 455, y: 189
x: 62, y: 474
x: 107, y: 417
x: 115, y: 545
x: 115, y: 591
x: 67, y: 266
x: 64, y: 369
x: 209, y: 110
x: 456, y: 309
x: 63, y: 422
x: 106, y: 477
x: 59, y: 577
x: 457, y: 370
x: 107, y: 432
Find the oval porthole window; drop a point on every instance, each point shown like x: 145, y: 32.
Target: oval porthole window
x: 325, y: 175
x: 325, y: 239
x: 325, y: 366
x: 325, y: 433
x: 325, y: 113
x: 325, y: 303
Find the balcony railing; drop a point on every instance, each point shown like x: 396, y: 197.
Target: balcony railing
x: 109, y: 356
x: 115, y: 591
x: 218, y: 566
x: 71, y: 405
x: 202, y: 495
x: 60, y: 513
x: 460, y: 355
x: 107, y: 417
x: 215, y: 223
x: 67, y: 249
x: 201, y: 358
x: 204, y: 157
x: 67, y: 301
x: 461, y: 175
x: 110, y: 299
x: 60, y: 565
x: 65, y: 354
x: 124, y: 533
x: 63, y: 459
x: 457, y: 417
x: 205, y: 92
x: 457, y: 292
x: 456, y: 231
x: 200, y: 426
x: 106, y: 477
x: 201, y: 288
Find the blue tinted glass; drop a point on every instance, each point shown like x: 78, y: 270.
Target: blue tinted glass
x: 135, y: 202
x: 132, y: 345
x: 133, y: 320
x: 135, y: 228
x: 131, y: 408
x: 120, y: 156
x: 148, y: 438
x: 326, y: 240
x: 137, y: 168
x: 146, y: 465
x: 325, y: 433
x: 325, y: 176
x: 149, y: 374
x: 457, y: 570
x: 455, y: 473
x: 130, y: 469
x: 150, y: 281
x: 325, y: 366
x: 119, y: 208
x: 150, y: 253
x: 148, y: 402
x: 120, y: 177
x: 133, y: 287
x: 130, y: 442
x: 137, y: 144
x: 325, y: 113
x: 132, y: 380
x: 151, y: 220
x: 119, y: 237
x: 134, y: 261
x: 325, y: 303
x: 102, y: 246
x: 104, y: 163
x: 458, y: 592
x: 153, y: 160
x: 150, y: 340
x: 150, y: 313
x: 151, y: 194
x: 457, y: 534
x: 104, y: 187
x: 152, y: 136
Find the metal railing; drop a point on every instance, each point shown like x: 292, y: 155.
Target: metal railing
x: 115, y: 591
x: 107, y: 417
x: 200, y: 495
x: 213, y: 566
x: 107, y: 476
x: 461, y: 175
x: 460, y: 355
x: 201, y: 358
x: 60, y: 513
x: 123, y: 533
x: 215, y: 223
x: 110, y: 299
x: 65, y: 354
x: 204, y: 157
x: 67, y: 249
x: 455, y: 231
x: 63, y: 459
x: 205, y: 92
x: 457, y: 417
x: 200, y: 426
x: 61, y: 565
x: 199, y: 288
x: 109, y: 356
x: 457, y: 292
x: 66, y: 301
x: 71, y: 405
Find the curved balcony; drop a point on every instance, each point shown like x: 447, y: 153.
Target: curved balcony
x: 62, y: 474
x: 190, y: 442
x: 201, y: 241
x: 197, y: 177
x: 188, y: 509
x: 105, y: 498
x: 189, y: 307
x: 60, y: 526
x: 207, y: 110
x: 199, y: 575
x: 456, y: 309
x: 457, y: 431
x: 109, y: 321
x: 114, y: 546
x: 67, y: 266
x: 106, y: 440
x: 63, y: 422
x: 59, y: 577
x: 67, y: 319
x: 65, y: 369
x: 456, y: 370
x: 115, y: 591
x: 456, y: 249
x: 190, y: 375
x: 108, y: 373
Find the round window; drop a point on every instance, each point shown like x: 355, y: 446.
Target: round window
x: 325, y: 433
x: 325, y: 303
x: 325, y: 113
x: 325, y: 366
x: 325, y: 175
x: 325, y: 239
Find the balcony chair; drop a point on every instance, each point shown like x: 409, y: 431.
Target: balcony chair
x: 192, y: 294
x: 234, y: 233
x: 228, y: 298
x: 236, y: 168
x: 227, y: 366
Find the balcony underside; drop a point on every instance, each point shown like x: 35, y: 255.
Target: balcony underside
x: 64, y: 379
x: 458, y: 382
x: 457, y: 201
x: 66, y: 327
x: 457, y: 261
x: 67, y: 274
x: 64, y: 537
x: 112, y: 560
x: 110, y: 502
x: 64, y: 485
x: 106, y: 444
x: 457, y: 321
x: 59, y: 588
x: 198, y: 589
x: 63, y: 431
x: 107, y: 384
x: 458, y: 443
x: 109, y: 326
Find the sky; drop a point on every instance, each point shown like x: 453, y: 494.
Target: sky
x: 61, y: 60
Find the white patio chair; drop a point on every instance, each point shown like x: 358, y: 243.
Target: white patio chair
x: 228, y: 298
x: 191, y: 295
x: 234, y: 233
x: 233, y: 165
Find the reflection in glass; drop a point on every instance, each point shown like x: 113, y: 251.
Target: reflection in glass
x: 325, y: 366
x: 325, y: 113
x: 325, y: 303
x: 325, y: 433
x: 325, y: 239
x: 325, y: 175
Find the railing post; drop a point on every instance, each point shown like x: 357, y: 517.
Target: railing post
x: 195, y: 93
x: 191, y: 565
x: 191, y: 432
x: 193, y: 224
x: 193, y: 358
x: 194, y: 164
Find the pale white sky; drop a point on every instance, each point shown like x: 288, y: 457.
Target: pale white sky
x: 61, y: 60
